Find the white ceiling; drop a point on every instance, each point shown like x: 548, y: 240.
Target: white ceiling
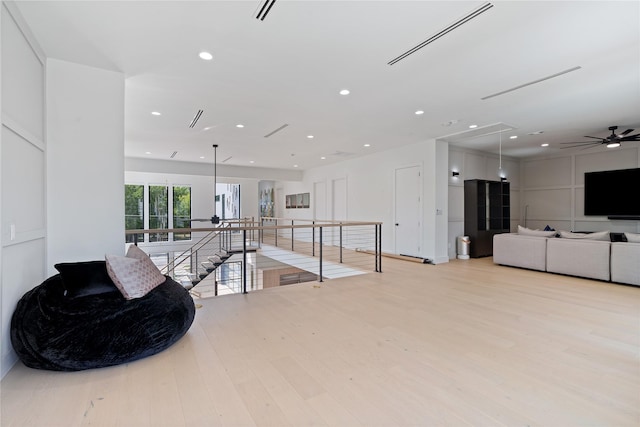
x: 289, y: 68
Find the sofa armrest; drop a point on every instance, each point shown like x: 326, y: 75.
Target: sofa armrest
x: 625, y: 263
x: 518, y: 250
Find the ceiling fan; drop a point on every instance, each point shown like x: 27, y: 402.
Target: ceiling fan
x: 611, y: 141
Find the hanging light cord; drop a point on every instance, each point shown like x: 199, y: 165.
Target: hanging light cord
x: 500, y: 167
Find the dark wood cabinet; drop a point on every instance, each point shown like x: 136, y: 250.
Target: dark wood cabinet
x: 487, y: 212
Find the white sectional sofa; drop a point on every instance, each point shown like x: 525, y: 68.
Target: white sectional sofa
x: 625, y: 263
x: 579, y: 257
x: 595, y: 259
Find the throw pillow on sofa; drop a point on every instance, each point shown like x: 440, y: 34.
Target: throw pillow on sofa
x: 599, y: 235
x: 134, y: 275
x: 529, y: 232
x: 632, y: 237
x: 85, y: 278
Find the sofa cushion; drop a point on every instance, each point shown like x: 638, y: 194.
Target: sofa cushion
x: 599, y: 235
x: 539, y: 233
x: 625, y: 263
x: 579, y: 257
x: 517, y: 250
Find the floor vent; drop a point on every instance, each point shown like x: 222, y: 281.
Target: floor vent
x: 196, y: 118
x: 441, y: 33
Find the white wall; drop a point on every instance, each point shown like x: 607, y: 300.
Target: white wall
x: 370, y: 192
x: 85, y: 162
x: 22, y: 171
x: 553, y: 188
x: 477, y: 165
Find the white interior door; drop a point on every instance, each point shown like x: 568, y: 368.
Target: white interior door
x: 407, y: 211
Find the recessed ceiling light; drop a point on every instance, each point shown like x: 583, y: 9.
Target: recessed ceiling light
x: 202, y: 157
x: 322, y: 158
x: 367, y: 145
x: 513, y: 137
x: 295, y: 166
x: 147, y: 152
x: 310, y: 136
x: 538, y: 132
x: 419, y: 112
x: 206, y: 56
x: 155, y: 113
x: 239, y: 125
x: 544, y: 145
x: 344, y: 92
x: 473, y: 126
x: 251, y: 161
x: 207, y: 128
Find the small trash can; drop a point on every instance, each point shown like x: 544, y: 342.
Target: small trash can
x: 463, y: 247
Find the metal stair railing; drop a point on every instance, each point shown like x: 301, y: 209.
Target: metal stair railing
x: 257, y: 254
x: 198, y: 255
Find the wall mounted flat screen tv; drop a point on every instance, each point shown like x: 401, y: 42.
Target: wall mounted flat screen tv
x: 613, y: 193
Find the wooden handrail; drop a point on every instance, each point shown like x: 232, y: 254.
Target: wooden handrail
x: 249, y: 228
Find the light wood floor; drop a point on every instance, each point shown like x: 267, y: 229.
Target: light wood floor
x: 464, y: 343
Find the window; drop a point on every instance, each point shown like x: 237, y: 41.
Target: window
x: 154, y: 212
x: 182, y: 211
x: 158, y: 212
x: 134, y: 211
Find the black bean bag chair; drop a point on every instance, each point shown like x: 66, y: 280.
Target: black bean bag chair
x: 65, y: 329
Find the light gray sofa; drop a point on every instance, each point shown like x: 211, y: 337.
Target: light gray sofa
x: 579, y: 257
x: 625, y: 263
x: 522, y: 251
x: 617, y: 262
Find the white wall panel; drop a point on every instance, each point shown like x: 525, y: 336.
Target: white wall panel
x: 549, y: 204
x: 516, y: 210
x: 22, y: 172
x: 605, y: 160
x: 475, y: 167
x: 554, y: 172
x: 614, y: 226
x: 456, y: 163
x: 23, y: 194
x: 456, y: 203
x: 22, y: 271
x: 22, y: 79
x: 85, y: 162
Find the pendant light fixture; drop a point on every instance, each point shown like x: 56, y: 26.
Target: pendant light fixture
x: 215, y: 219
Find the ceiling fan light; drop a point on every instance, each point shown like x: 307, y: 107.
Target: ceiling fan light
x: 613, y: 145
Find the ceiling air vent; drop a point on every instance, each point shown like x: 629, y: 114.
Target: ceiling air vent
x: 277, y: 130
x: 196, y: 118
x: 264, y: 10
x: 531, y: 83
x: 478, y: 132
x: 441, y: 33
x: 174, y: 154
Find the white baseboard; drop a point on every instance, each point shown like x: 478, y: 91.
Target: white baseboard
x: 8, y: 360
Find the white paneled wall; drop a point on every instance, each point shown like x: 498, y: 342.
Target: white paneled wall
x: 22, y: 171
x: 553, y: 188
x: 477, y: 165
